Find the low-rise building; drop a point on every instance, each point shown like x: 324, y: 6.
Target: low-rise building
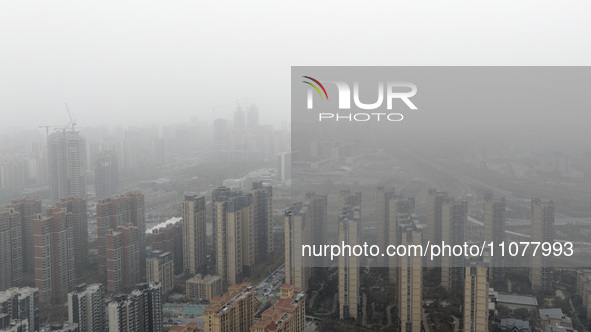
x: 553, y: 320
x: 203, y: 287
x: 287, y: 315
x: 234, y: 311
x: 514, y: 301
x: 514, y: 325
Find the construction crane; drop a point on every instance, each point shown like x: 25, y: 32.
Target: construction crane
x: 47, y: 130
x: 72, y: 121
x: 61, y: 128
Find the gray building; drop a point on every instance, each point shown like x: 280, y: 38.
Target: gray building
x: 21, y: 304
x: 139, y: 311
x: 106, y: 174
x: 86, y: 307
x: 67, y: 164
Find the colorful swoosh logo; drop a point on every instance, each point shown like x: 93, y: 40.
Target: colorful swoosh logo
x: 316, y: 87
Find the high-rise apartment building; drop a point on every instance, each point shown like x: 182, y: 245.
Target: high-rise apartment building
x: 27, y: 209
x: 391, y: 211
x: 86, y: 307
x: 284, y: 166
x: 262, y: 202
x: 232, y: 312
x: 194, y: 236
x: 288, y: 314
x: 233, y: 230
x: 348, y: 265
x: 434, y: 217
x: 542, y: 230
x: 476, y: 298
x: 160, y: 269
x: 317, y: 206
x: 106, y: 174
x: 67, y: 165
x: 55, y: 271
x: 11, y: 250
x: 21, y: 304
x: 170, y: 238
x: 138, y: 311
x: 454, y: 216
x: 252, y: 117
x: 494, y: 232
x: 77, y: 207
x: 410, y: 281
x: 297, y: 233
x: 383, y: 219
x: 122, y: 258
x: 130, y: 153
x: 118, y: 211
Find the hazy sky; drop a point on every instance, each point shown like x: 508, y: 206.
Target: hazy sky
x: 142, y: 62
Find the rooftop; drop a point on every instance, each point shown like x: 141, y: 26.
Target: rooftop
x: 528, y: 300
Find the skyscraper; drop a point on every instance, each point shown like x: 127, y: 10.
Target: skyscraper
x: 542, y: 230
x: 233, y: 229
x: 297, y: 232
x: 476, y: 298
x: 410, y: 282
x: 262, y: 202
x: 106, y: 174
x: 76, y: 206
x: 454, y: 216
x: 349, y: 264
x: 170, y: 238
x: 232, y: 312
x: 383, y: 218
x: 284, y: 166
x: 494, y: 231
x: 434, y: 216
x: 122, y: 258
x: 160, y: 268
x: 53, y: 237
x: 317, y: 206
x: 138, y: 311
x: 86, y: 307
x: 21, y: 304
x: 67, y: 164
x: 27, y: 209
x: 252, y: 118
x: 194, y: 236
x: 11, y: 250
x: 391, y: 210
x: 118, y: 211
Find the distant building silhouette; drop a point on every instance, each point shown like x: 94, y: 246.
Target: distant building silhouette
x: 27, y: 208
x: 67, y: 164
x: 542, y: 230
x: 106, y: 174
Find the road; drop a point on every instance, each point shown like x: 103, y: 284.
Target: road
x: 267, y: 286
